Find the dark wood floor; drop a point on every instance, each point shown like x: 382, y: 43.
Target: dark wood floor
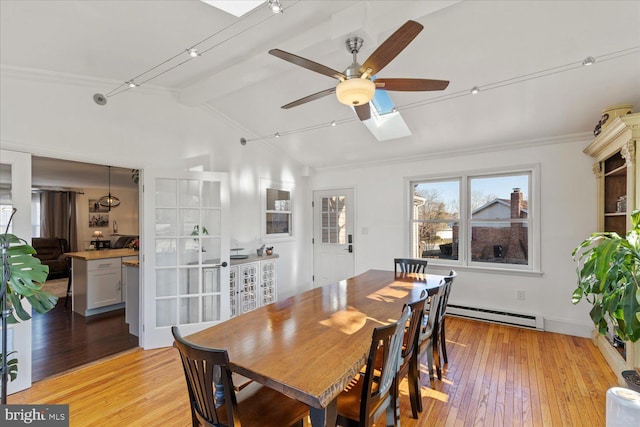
x: 63, y: 339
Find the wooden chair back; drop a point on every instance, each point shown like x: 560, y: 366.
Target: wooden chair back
x: 200, y: 366
x: 410, y: 265
x: 382, y: 394
x: 409, y: 362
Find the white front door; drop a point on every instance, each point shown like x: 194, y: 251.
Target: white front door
x: 185, y: 247
x: 333, y: 239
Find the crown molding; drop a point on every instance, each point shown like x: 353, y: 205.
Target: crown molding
x: 582, y: 137
x: 39, y: 75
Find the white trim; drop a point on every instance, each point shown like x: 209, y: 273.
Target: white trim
x: 464, y: 262
x: 266, y: 183
x: 583, y: 137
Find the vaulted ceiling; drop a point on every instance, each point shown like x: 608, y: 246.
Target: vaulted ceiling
x: 525, y: 56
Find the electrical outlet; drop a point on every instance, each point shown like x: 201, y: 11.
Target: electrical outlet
x: 520, y: 295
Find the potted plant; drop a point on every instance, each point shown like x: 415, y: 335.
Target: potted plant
x: 23, y: 276
x: 609, y: 279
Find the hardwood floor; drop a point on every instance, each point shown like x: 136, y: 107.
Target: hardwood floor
x: 63, y: 339
x: 496, y: 376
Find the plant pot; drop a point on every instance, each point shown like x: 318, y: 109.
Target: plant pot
x: 632, y: 379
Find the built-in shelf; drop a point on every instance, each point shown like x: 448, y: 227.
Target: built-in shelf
x: 620, y: 171
x: 615, y: 151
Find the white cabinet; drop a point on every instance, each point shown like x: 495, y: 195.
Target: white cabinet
x: 268, y: 282
x: 96, y: 283
x: 106, y: 283
x: 97, y: 280
x: 252, y: 283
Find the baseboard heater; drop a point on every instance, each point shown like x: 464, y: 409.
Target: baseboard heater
x: 529, y: 321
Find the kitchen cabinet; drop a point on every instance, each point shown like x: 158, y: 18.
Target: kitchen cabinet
x: 97, y: 281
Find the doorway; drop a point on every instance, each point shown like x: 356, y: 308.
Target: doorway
x: 333, y: 238
x: 63, y: 339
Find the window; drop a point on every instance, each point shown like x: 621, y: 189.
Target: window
x: 476, y: 220
x: 277, y: 208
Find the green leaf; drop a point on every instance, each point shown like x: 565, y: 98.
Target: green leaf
x: 577, y: 296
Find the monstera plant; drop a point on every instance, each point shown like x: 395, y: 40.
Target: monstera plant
x: 23, y: 276
x: 609, y: 279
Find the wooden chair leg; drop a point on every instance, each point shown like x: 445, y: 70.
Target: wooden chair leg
x: 443, y: 343
x: 66, y: 298
x: 414, y: 387
x: 436, y: 354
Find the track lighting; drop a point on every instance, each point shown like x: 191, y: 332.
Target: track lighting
x: 193, y: 52
x: 275, y: 6
x: 589, y: 60
x: 475, y: 90
x: 132, y: 84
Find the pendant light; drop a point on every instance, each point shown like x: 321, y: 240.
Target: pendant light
x: 109, y: 201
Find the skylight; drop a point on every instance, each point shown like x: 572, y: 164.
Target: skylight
x: 234, y: 7
x: 386, y: 122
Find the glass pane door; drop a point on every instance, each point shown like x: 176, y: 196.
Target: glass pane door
x: 187, y: 278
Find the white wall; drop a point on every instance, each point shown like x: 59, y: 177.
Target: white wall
x: 55, y: 116
x: 568, y: 201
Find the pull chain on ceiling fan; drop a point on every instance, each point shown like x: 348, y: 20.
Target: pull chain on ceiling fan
x: 356, y: 88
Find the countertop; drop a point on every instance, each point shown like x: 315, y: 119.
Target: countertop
x: 252, y: 258
x: 132, y: 263
x: 103, y: 254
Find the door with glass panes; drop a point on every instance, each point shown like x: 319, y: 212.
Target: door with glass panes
x: 186, y: 253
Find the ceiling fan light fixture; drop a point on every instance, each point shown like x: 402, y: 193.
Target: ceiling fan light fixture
x: 355, y: 91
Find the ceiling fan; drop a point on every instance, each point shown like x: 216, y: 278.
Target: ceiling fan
x: 356, y: 88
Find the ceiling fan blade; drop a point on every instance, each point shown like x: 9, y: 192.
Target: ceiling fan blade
x: 411, y: 84
x: 308, y: 98
x: 363, y: 111
x: 307, y: 63
x: 391, y: 47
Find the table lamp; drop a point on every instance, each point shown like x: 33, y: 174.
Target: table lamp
x: 97, y: 235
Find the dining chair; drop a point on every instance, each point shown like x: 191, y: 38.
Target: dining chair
x: 255, y: 405
x: 410, y: 265
x: 368, y: 394
x: 443, y: 314
x: 427, y: 340
x: 409, y: 363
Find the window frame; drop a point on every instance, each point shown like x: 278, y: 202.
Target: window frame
x: 464, y: 261
x: 268, y: 184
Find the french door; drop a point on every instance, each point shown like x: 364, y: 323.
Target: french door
x: 333, y: 239
x: 185, y: 247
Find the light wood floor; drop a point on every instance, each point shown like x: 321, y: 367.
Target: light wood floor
x: 497, y: 376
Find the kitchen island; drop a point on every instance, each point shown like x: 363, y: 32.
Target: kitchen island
x: 97, y: 280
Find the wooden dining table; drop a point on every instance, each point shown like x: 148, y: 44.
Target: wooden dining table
x: 310, y: 346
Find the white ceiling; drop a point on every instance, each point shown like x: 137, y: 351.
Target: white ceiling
x: 470, y: 43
